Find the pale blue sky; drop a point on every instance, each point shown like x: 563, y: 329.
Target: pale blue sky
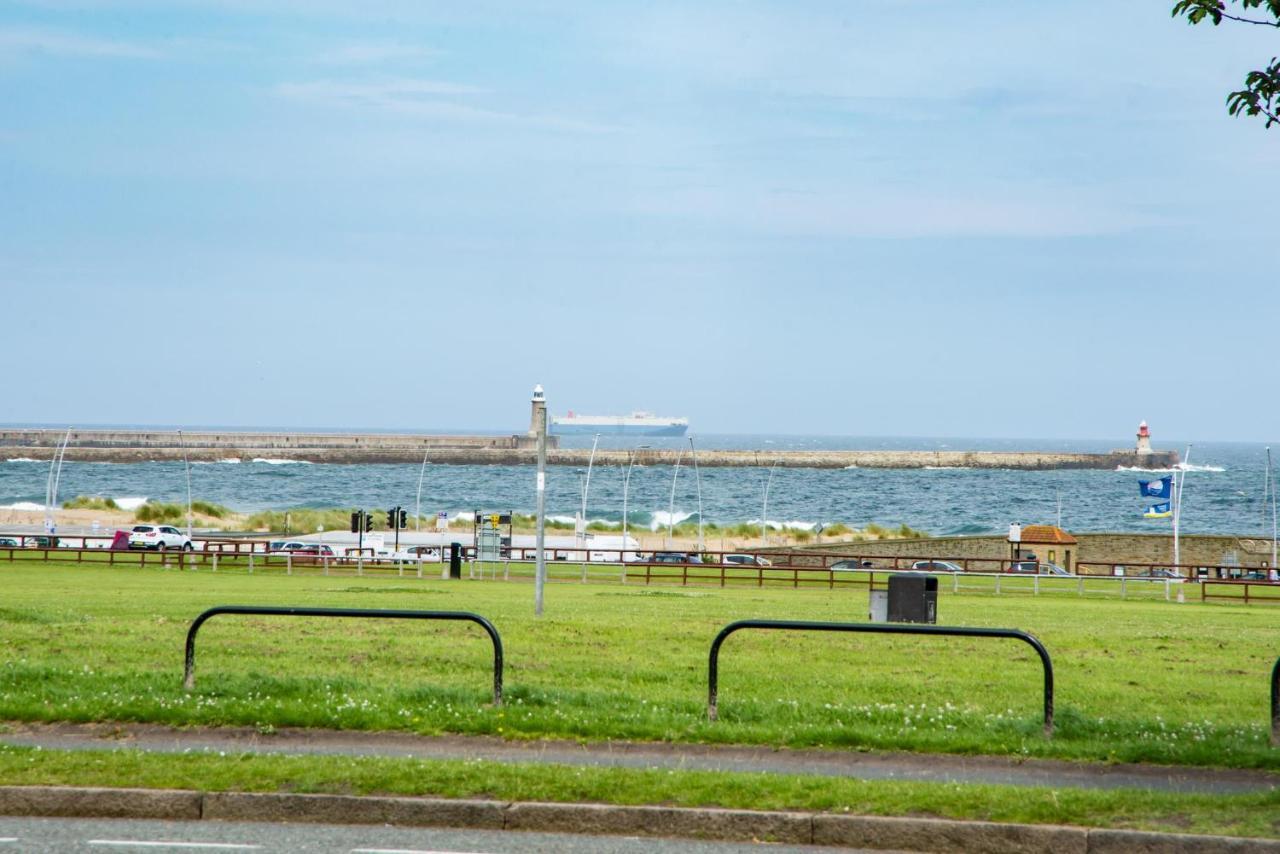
x: 847, y: 218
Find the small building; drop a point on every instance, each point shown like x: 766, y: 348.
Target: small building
x: 1049, y: 544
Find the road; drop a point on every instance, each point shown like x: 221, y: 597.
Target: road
x: 114, y: 836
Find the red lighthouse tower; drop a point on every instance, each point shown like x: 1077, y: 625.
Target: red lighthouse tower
x: 1144, y: 438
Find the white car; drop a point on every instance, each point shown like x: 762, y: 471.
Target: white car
x: 745, y: 560
x: 936, y: 566
x: 159, y: 537
x: 279, y: 547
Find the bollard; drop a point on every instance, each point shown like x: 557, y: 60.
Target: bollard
x: 215, y: 561
x: 455, y: 560
x: 251, y: 563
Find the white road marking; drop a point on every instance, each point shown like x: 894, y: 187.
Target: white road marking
x: 147, y: 843
x: 8, y: 839
x: 405, y: 851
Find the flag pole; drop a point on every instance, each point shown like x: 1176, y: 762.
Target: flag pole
x: 1272, y: 488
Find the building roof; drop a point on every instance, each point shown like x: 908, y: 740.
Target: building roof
x: 1047, y: 535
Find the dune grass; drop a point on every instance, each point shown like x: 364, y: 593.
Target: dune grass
x: 90, y: 502
x: 1137, y: 680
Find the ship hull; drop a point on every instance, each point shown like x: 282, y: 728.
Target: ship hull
x: 563, y: 429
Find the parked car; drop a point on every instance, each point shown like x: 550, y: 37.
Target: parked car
x: 936, y: 566
x: 427, y: 553
x: 158, y: 537
x: 1160, y: 572
x: 8, y: 543
x: 312, y: 549
x: 745, y: 560
x: 279, y: 547
x: 39, y: 542
x: 1035, y: 567
x: 850, y: 565
x: 674, y: 557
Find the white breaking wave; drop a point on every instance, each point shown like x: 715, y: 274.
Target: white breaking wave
x: 663, y: 519
x: 1178, y: 467
x: 21, y: 460
x: 29, y: 506
x: 130, y: 502
x: 947, y: 468
x: 775, y: 525
x: 275, y: 462
x: 463, y: 516
x: 231, y: 460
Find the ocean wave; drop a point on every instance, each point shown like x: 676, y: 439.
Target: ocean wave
x: 948, y: 468
x: 775, y: 525
x: 130, y: 502
x: 28, y: 506
x: 21, y: 460
x: 231, y: 461
x: 1178, y: 467
x: 275, y: 462
x: 662, y: 519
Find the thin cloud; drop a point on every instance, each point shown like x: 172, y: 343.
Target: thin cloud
x: 375, y: 53
x: 61, y: 43
x: 424, y: 98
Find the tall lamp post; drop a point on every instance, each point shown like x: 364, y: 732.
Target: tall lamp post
x: 671, y: 505
x: 697, y: 477
x: 187, y: 464
x: 582, y: 535
x: 764, y: 511
x: 417, y: 510
x: 626, y: 483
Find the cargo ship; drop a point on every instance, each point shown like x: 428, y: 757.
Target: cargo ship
x: 635, y: 424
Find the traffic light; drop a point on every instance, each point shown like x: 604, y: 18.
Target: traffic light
x: 404, y: 518
x: 355, y: 522
x: 368, y: 521
x: 391, y: 519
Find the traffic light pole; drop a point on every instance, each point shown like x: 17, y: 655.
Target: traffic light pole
x: 397, y: 520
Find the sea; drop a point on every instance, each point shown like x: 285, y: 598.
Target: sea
x: 1223, y: 493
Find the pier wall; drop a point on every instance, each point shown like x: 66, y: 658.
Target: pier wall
x: 124, y: 446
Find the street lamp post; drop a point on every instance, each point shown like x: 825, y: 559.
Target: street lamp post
x: 187, y: 464
x: 671, y: 505
x: 626, y: 483
x: 764, y: 511
x: 697, y: 477
x: 417, y: 510
x: 586, y: 486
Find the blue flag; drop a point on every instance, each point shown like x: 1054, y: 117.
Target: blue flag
x: 1162, y: 510
x: 1162, y: 488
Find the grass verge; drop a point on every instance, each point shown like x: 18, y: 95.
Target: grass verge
x: 1238, y: 815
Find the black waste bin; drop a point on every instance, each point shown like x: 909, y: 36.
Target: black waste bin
x: 913, y: 598
x: 455, y: 560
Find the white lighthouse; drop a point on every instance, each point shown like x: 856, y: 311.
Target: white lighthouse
x: 537, y: 405
x: 1144, y: 438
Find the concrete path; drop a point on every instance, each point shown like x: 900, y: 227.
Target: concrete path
x: 941, y: 768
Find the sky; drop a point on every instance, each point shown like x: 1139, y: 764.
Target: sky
x: 916, y: 218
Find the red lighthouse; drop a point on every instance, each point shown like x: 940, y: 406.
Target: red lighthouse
x: 1144, y: 438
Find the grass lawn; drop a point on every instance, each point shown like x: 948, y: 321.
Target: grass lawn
x: 1137, y: 680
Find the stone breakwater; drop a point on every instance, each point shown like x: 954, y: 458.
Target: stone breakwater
x: 124, y: 446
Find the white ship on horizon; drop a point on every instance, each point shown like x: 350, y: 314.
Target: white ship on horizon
x: 635, y: 424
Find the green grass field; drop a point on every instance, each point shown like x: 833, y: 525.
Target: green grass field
x: 1137, y: 680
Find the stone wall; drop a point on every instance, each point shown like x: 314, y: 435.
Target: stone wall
x: 1107, y: 548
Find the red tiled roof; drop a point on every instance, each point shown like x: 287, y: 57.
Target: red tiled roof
x: 1047, y: 535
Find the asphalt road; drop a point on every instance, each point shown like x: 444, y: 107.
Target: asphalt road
x: 114, y: 836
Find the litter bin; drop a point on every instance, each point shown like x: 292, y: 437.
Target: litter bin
x: 913, y: 598
x: 455, y: 560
